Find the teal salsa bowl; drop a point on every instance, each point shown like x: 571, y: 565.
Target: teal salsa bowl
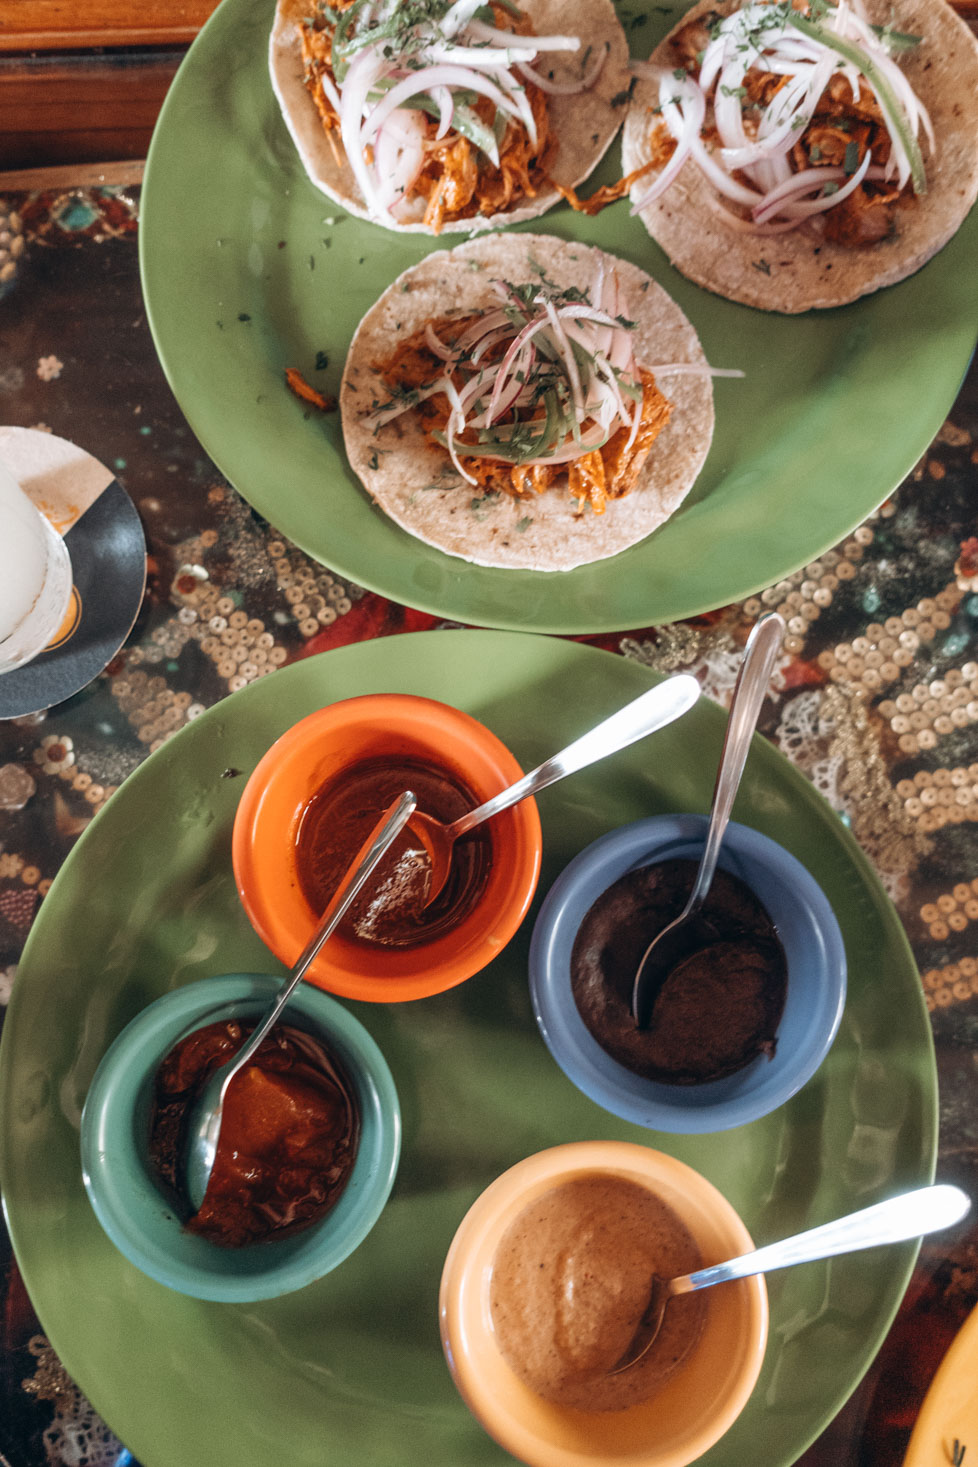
x: 809, y: 934
x: 135, y: 1209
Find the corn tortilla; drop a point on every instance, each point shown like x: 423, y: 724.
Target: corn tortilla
x: 584, y: 123
x: 800, y: 270
x: 414, y: 481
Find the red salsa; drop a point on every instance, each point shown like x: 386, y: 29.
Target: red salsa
x: 391, y: 910
x: 289, y: 1132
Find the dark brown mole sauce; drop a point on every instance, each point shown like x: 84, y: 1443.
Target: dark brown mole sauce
x: 289, y: 1132
x: 390, y: 911
x: 719, y: 1007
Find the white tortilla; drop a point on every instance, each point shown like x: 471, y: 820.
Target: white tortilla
x: 414, y: 482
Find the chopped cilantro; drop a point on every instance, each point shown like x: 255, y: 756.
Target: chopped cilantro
x: 896, y: 40
x: 851, y: 160
x: 322, y: 361
x: 622, y: 99
x: 761, y: 265
x: 481, y: 506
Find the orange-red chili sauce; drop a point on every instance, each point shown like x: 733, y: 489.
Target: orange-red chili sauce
x: 391, y: 910
x: 289, y: 1132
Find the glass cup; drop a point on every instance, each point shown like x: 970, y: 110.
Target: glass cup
x: 35, y: 576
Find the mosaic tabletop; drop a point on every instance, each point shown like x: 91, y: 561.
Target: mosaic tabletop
x: 875, y: 702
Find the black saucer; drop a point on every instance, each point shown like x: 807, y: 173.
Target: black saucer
x: 108, y: 562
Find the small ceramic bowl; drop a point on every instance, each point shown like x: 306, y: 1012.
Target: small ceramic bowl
x: 134, y: 1207
x: 297, y: 766
x: 691, y: 1410
x: 809, y: 934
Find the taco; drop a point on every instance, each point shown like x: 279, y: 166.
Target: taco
x: 526, y: 402
x: 428, y: 115
x: 803, y: 156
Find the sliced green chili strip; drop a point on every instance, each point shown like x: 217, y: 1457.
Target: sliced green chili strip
x: 885, y: 94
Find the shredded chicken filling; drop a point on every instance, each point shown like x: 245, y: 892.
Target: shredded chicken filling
x: 457, y: 181
x: 594, y: 478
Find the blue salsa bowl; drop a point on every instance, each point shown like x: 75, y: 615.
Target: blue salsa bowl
x: 809, y: 934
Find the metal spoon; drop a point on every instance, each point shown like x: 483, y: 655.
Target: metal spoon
x: 651, y: 711
x: 907, y: 1216
x: 204, y: 1128
x: 686, y: 933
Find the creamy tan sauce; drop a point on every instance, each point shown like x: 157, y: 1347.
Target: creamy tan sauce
x: 569, y: 1283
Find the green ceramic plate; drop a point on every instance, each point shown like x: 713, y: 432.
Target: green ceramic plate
x: 349, y: 1370
x: 248, y: 269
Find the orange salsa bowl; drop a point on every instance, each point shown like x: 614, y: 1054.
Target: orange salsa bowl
x: 694, y: 1407
x: 383, y: 727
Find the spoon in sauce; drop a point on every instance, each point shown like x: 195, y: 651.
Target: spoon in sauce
x: 652, y: 710
x: 686, y: 933
x: 909, y: 1215
x: 204, y: 1122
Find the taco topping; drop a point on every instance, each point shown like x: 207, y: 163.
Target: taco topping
x: 544, y: 384
x: 440, y: 106
x: 793, y: 115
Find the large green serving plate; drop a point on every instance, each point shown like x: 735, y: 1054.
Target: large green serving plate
x: 248, y: 269
x: 349, y: 1372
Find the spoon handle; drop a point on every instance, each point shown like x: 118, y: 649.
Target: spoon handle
x: 652, y: 710
x: 899, y: 1218
x: 762, y: 648
x: 391, y: 823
